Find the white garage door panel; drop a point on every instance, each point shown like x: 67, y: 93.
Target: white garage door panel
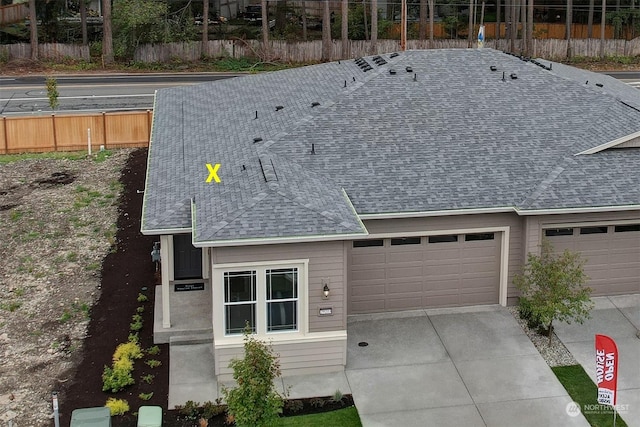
x: 405, y: 277
x: 612, y: 259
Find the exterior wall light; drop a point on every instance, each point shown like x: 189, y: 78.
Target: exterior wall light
x: 325, y: 291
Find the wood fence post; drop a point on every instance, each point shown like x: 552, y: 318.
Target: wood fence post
x: 104, y: 130
x: 6, y: 140
x: 55, y: 138
x: 148, y: 127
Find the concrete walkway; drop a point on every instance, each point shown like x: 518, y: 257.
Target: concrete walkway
x: 451, y: 367
x: 619, y: 318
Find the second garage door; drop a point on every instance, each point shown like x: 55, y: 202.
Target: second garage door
x: 611, y: 252
x: 424, y: 272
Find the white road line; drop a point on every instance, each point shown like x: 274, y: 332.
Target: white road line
x: 139, y: 95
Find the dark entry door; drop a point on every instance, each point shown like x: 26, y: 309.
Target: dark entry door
x: 187, y: 260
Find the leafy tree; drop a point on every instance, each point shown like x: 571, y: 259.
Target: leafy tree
x: 52, y: 92
x: 254, y: 402
x: 552, y: 286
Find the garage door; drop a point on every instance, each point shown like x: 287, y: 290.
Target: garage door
x: 612, y: 255
x: 423, y: 272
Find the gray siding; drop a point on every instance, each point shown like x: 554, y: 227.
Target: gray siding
x: 295, y: 358
x: 326, y: 261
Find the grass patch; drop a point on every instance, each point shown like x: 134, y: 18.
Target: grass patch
x: 584, y: 392
x: 10, y: 158
x: 347, y: 417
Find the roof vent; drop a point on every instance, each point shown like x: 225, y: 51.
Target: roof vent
x: 503, y: 78
x: 354, y: 78
x: 313, y: 148
x: 394, y: 54
x: 599, y: 84
x: 415, y: 77
x: 587, y: 82
x: 314, y: 104
x: 258, y: 139
x: 364, y: 65
x: 392, y: 72
x: 493, y: 68
x: 379, y: 60
x: 279, y: 107
x: 345, y: 83
x: 409, y: 70
x: 514, y: 76
x: 256, y: 114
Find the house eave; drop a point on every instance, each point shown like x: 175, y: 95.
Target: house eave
x: 610, y: 144
x: 595, y: 209
x: 278, y: 240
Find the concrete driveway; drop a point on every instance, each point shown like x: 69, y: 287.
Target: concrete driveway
x: 619, y: 318
x: 451, y: 367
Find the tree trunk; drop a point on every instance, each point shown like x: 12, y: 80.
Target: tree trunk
x: 205, y: 25
x: 326, y: 33
x: 530, y: 50
x: 374, y: 27
x: 514, y: 26
x: 107, y: 36
x: 470, y: 26
x: 498, y: 17
x: 568, y: 25
x: 83, y: 22
x: 345, y: 29
x: 507, y: 19
x: 590, y: 19
x: 550, y: 332
x: 33, y: 25
x: 602, y: 23
x: 366, y: 25
x: 431, y: 12
x: 304, y: 21
x: 265, y: 25
x: 523, y: 18
x: 422, y: 30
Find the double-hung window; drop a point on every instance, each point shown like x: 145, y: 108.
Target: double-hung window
x: 240, y: 301
x: 267, y: 298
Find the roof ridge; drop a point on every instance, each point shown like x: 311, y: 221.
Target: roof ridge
x: 544, y: 184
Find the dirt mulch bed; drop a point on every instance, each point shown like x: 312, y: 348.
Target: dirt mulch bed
x: 126, y: 274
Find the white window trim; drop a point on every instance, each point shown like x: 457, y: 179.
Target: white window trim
x: 217, y: 280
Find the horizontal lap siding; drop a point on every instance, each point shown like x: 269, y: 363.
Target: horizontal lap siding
x: 457, y: 222
x: 326, y: 261
x: 295, y: 358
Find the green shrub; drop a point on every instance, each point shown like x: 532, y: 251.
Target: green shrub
x: 255, y: 401
x: 190, y: 409
x: 153, y: 363
x: 154, y: 351
x: 145, y: 396
x: 148, y: 378
x: 115, y: 380
x: 211, y: 409
x: 135, y: 326
x: 128, y: 350
x: 133, y: 337
x: 142, y: 298
x: 117, y: 406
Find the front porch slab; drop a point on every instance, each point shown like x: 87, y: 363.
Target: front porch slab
x: 190, y: 314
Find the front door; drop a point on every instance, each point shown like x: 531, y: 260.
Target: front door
x: 187, y: 260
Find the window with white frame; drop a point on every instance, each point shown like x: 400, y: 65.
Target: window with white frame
x: 267, y: 298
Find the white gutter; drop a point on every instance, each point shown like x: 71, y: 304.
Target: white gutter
x: 277, y: 240
x: 472, y: 211
x: 162, y: 231
x: 578, y: 210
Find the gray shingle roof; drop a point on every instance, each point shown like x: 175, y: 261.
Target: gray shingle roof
x: 454, y: 136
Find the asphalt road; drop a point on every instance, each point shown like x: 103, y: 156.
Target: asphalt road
x: 96, y: 93
x: 119, y: 92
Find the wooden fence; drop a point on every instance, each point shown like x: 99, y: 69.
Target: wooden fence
x: 71, y: 132
x: 13, y: 13
x: 311, y: 51
x: 54, y: 51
